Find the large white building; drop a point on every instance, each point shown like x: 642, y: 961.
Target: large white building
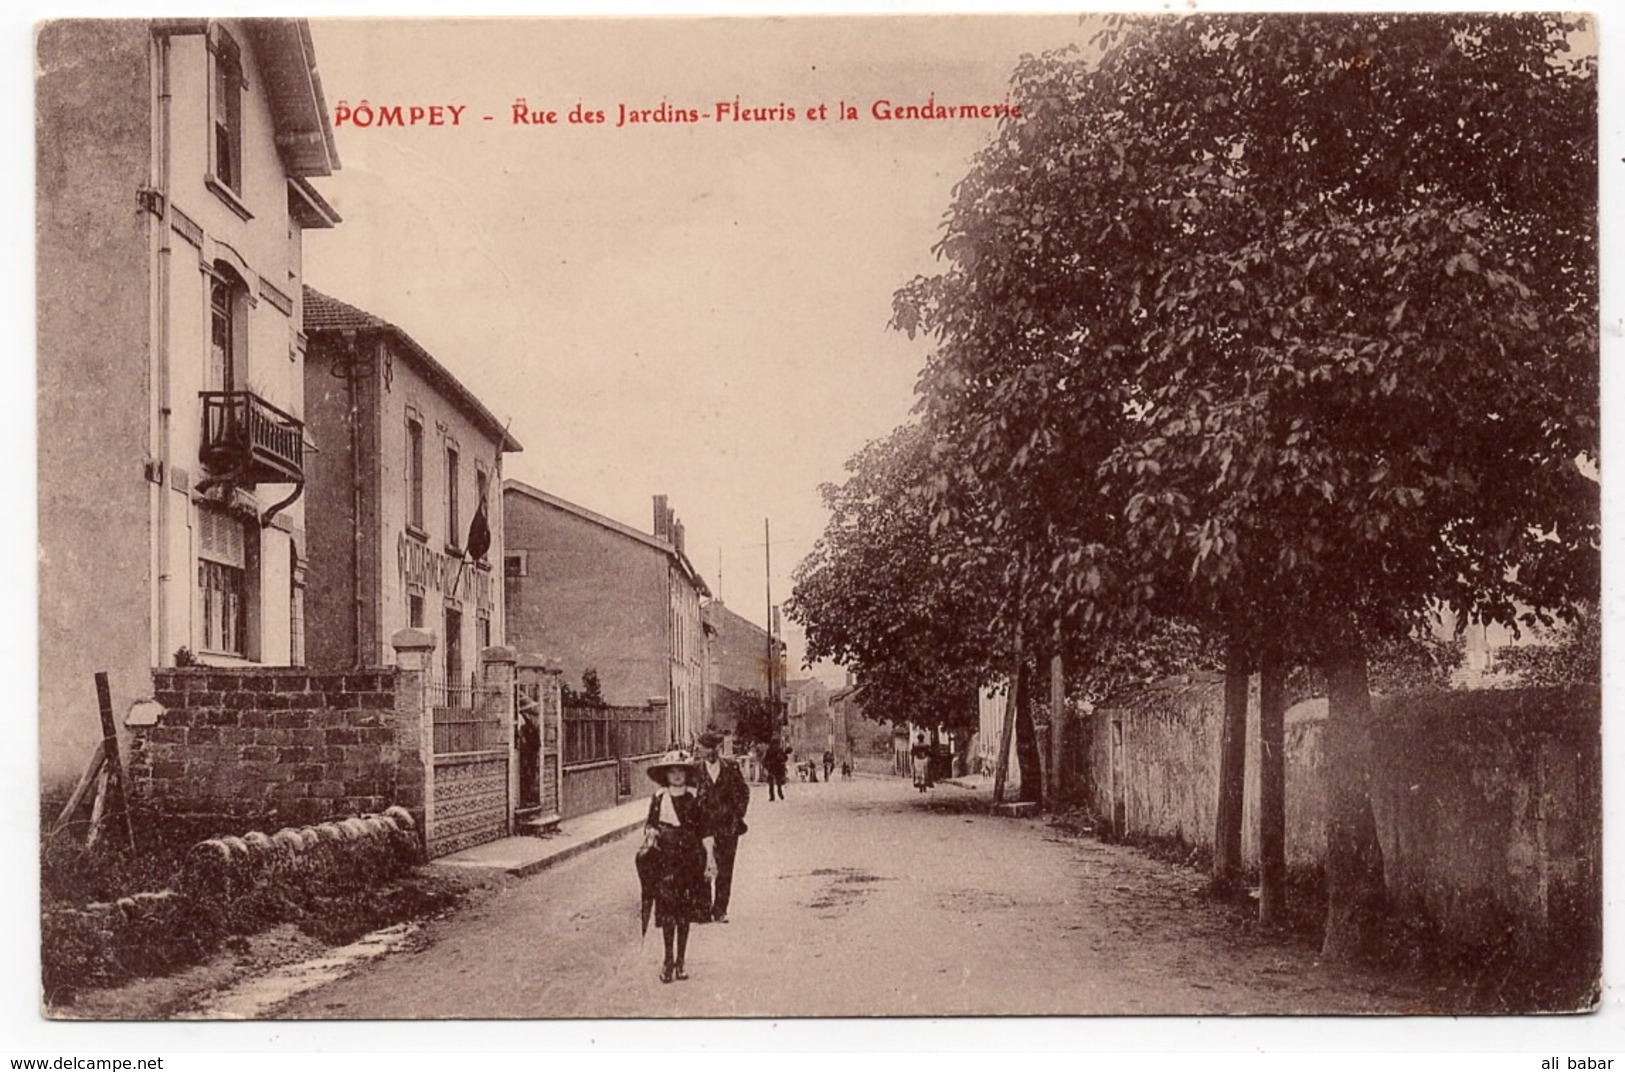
x: 172, y: 176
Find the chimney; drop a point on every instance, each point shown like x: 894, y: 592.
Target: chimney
x: 662, y: 518
x: 677, y: 535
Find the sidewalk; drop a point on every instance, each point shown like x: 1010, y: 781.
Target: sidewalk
x: 528, y: 855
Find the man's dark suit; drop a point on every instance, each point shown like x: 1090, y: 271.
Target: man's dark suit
x: 723, y: 803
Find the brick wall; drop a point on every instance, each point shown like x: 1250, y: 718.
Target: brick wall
x: 274, y: 746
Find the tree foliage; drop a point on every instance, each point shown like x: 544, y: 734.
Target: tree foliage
x: 752, y: 715
x: 591, y: 693
x: 877, y: 593
x: 1284, y: 325
x: 1282, y: 313
x: 1396, y: 663
x: 1565, y: 654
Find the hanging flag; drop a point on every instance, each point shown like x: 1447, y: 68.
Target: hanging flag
x: 479, y: 534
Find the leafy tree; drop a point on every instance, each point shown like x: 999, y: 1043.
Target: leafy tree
x: 877, y: 596
x: 1568, y: 654
x: 1396, y: 664
x: 754, y: 719
x: 921, y: 602
x: 591, y: 694
x: 1285, y: 325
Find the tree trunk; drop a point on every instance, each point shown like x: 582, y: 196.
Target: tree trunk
x: 1232, y: 772
x: 1271, y: 790
x: 1008, y: 729
x: 1027, y: 750
x: 1059, y: 717
x: 1355, y: 893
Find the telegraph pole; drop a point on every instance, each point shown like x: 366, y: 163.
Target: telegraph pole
x: 772, y: 645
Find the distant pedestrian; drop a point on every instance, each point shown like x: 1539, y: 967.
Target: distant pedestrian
x: 829, y: 764
x: 677, y: 860
x: 920, y: 757
x: 846, y: 770
x: 775, y: 762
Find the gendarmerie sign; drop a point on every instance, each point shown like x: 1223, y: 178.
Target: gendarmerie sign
x: 421, y: 565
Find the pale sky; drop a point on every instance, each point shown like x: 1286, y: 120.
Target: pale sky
x: 722, y: 299
x: 697, y: 310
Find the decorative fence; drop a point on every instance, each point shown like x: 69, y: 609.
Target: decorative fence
x: 471, y: 742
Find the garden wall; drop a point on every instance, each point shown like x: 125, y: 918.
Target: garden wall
x: 265, y: 747
x: 1488, y: 803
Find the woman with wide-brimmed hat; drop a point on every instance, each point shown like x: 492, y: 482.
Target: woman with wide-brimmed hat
x: 676, y: 862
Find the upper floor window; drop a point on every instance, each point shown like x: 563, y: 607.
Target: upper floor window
x: 223, y: 325
x: 414, y: 473
x: 454, y: 537
x: 226, y: 119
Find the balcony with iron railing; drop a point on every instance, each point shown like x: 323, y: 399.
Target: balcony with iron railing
x: 249, y: 441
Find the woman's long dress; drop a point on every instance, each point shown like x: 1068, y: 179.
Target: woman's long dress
x: 678, y: 863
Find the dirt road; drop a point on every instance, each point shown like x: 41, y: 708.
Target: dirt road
x: 864, y: 898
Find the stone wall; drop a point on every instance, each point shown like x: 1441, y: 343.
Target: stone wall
x: 1489, y: 809
x: 590, y: 787
x: 1487, y: 803
x: 272, y: 747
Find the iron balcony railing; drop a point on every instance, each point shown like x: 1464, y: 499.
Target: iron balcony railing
x: 245, y: 435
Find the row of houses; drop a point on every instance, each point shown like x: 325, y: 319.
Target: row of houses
x: 238, y: 471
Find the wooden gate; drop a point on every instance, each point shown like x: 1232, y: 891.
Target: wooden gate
x: 468, y: 790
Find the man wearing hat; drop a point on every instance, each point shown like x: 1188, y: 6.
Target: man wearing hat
x: 723, y: 797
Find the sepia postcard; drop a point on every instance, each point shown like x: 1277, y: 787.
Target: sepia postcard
x: 820, y: 516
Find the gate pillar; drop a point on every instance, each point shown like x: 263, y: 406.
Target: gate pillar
x: 497, y: 671
x: 413, y: 649
x: 539, y: 731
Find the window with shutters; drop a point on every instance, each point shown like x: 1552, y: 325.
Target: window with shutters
x: 226, y: 85
x: 223, y: 588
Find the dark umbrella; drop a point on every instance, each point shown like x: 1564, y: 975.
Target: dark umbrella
x: 648, y: 863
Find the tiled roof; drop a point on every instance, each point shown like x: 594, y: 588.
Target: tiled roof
x: 324, y: 313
